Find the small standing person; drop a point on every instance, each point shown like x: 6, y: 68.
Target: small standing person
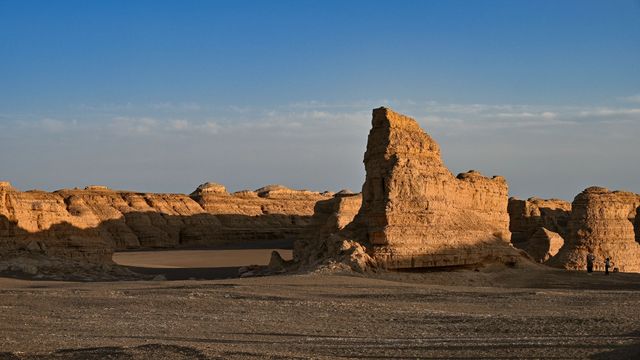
x: 590, y: 259
x: 607, y: 264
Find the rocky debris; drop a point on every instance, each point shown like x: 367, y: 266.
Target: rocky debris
x: 319, y: 246
x: 277, y: 263
x: 44, y: 267
x: 606, y: 223
x: 252, y: 270
x: 527, y: 216
x: 542, y: 245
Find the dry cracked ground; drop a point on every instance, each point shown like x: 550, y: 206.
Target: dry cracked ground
x: 494, y: 313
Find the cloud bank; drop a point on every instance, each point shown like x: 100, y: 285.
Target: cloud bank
x: 172, y: 147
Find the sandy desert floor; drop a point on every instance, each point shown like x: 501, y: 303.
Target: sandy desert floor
x: 199, y: 264
x: 494, y: 313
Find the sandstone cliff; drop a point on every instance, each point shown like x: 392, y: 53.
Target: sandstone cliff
x: 607, y: 223
x: 89, y: 224
x: 527, y: 216
x: 415, y: 213
x: 321, y: 244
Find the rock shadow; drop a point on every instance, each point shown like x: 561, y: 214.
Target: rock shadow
x: 154, y: 231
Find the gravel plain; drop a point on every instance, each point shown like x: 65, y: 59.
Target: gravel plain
x: 493, y: 313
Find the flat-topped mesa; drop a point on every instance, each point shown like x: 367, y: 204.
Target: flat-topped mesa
x: 97, y: 188
x: 606, y: 223
x: 276, y: 191
x: 417, y: 214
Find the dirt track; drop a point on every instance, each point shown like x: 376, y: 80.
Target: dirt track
x: 560, y: 315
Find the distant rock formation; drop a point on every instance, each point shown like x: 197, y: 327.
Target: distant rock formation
x: 527, y: 216
x: 542, y: 245
x: 606, y: 223
x: 415, y: 213
x: 90, y: 224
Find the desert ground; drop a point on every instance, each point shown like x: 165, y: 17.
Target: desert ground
x: 201, y: 264
x: 493, y: 312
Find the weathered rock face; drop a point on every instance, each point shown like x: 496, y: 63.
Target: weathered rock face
x: 273, y: 212
x: 417, y: 213
x: 28, y: 222
x: 91, y: 223
x: 330, y: 217
x: 602, y: 221
x: 542, y: 245
x: 527, y: 216
x: 414, y: 212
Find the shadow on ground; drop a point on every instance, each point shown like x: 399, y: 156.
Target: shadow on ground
x: 211, y: 273
x: 143, y: 352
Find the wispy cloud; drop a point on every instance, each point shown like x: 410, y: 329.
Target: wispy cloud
x: 148, y: 126
x: 631, y: 99
x: 315, y: 117
x: 124, y: 125
x: 323, y: 142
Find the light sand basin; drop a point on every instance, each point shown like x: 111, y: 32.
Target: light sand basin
x: 196, y: 264
x: 197, y: 258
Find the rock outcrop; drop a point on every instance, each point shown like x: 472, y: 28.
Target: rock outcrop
x: 321, y: 245
x: 415, y: 213
x: 90, y: 224
x: 542, y: 245
x: 527, y: 216
x: 606, y: 223
x: 419, y: 215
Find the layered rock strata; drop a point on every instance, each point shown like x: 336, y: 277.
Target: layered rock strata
x: 323, y: 240
x: 606, y: 223
x: 89, y: 224
x: 415, y: 213
x: 528, y: 216
x: 419, y: 215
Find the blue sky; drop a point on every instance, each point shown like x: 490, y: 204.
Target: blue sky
x: 164, y: 95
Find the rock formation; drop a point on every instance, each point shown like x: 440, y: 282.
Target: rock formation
x: 528, y: 216
x: 321, y: 244
x: 605, y: 222
x: 415, y: 213
x: 89, y: 224
x: 542, y: 245
x: 539, y: 226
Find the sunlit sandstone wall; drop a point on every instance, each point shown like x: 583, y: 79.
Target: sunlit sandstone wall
x: 528, y: 216
x: 602, y: 221
x: 417, y: 213
x: 90, y: 223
